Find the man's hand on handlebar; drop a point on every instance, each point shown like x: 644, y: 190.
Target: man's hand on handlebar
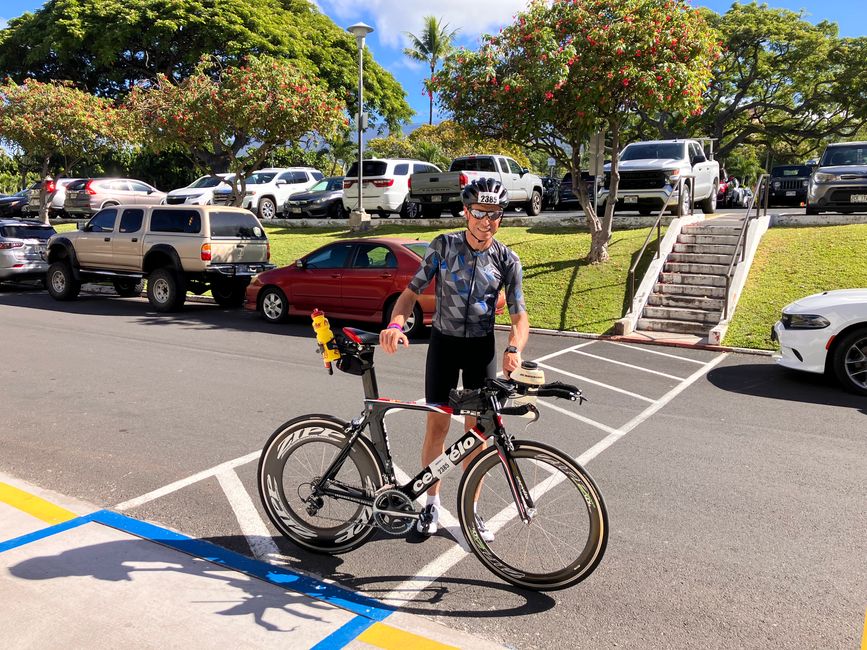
x: 390, y: 338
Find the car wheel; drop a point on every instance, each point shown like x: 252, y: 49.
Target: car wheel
x: 414, y: 325
x: 337, y: 211
x: 273, y: 305
x: 684, y: 202
x: 849, y: 361
x: 128, y: 288
x: 267, y: 208
x: 61, y: 282
x: 166, y: 291
x: 708, y: 205
x: 410, y: 210
x: 534, y: 207
x: 811, y: 209
x: 229, y: 293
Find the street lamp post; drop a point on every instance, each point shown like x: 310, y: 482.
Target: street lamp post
x: 359, y: 219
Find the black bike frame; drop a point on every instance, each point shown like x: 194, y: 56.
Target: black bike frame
x: 373, y: 417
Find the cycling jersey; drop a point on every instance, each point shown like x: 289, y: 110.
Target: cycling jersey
x: 468, y: 283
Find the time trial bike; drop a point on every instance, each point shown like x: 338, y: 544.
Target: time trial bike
x: 328, y: 487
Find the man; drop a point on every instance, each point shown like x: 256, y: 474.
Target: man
x: 470, y: 268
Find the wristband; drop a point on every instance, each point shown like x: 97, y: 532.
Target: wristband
x: 394, y: 326
x: 511, y: 350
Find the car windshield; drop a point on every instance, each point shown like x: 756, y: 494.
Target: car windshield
x: 651, y: 150
x: 791, y: 170
x: 260, y: 178
x: 417, y: 247
x: 27, y: 232
x: 321, y: 186
x: 369, y: 168
x: 207, y: 181
x: 851, y: 155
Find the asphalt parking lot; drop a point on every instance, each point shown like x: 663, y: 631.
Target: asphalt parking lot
x: 735, y: 490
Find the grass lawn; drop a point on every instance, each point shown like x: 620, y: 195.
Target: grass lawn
x: 792, y: 263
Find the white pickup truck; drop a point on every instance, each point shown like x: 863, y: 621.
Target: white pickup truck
x: 649, y: 172
x: 442, y: 190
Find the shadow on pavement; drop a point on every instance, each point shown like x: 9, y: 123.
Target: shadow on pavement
x: 775, y: 382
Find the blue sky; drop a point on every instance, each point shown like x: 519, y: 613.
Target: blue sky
x: 392, y: 18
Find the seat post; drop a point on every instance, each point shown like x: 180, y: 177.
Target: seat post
x: 368, y: 380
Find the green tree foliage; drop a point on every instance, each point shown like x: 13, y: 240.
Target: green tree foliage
x: 782, y: 83
x: 433, y: 45
x: 441, y: 143
x: 232, y: 118
x: 106, y: 46
x: 47, y: 121
x: 565, y: 69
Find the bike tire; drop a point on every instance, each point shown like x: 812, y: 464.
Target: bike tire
x: 581, y: 542
x: 298, y: 452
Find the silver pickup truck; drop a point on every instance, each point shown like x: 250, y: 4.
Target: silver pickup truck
x: 649, y: 172
x: 439, y: 191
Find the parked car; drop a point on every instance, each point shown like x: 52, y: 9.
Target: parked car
x: 22, y: 243
x: 839, y: 182
x: 90, y: 195
x: 550, y: 192
x: 650, y: 171
x: 325, y: 199
x: 55, y: 191
x: 826, y: 333
x: 789, y: 185
x: 13, y: 206
x: 436, y: 190
x: 568, y: 200
x: 200, y: 191
x: 176, y: 248
x: 268, y: 189
x: 386, y: 186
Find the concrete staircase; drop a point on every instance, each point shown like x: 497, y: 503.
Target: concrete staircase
x: 689, y: 295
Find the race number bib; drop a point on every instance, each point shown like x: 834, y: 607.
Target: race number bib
x: 488, y: 198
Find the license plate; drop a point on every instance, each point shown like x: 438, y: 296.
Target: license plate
x: 295, y: 210
x: 630, y: 199
x: 436, y: 199
x: 72, y: 195
x: 792, y: 193
x: 859, y: 198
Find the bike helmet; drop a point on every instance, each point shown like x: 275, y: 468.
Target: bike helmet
x: 487, y: 191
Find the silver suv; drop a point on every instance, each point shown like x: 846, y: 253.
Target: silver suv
x: 195, y: 248
x: 839, y: 182
x: 89, y: 195
x: 22, y: 243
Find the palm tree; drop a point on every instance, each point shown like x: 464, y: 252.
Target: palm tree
x: 434, y: 44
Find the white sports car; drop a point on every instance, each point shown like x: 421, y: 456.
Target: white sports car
x: 826, y: 332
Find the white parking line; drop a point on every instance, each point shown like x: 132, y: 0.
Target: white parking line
x: 564, y: 351
x: 575, y: 416
x: 598, y: 383
x: 254, y: 529
x: 629, y: 365
x: 409, y: 589
x: 195, y: 478
x: 646, y: 348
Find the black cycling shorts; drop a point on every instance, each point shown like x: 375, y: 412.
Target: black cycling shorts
x: 448, y: 356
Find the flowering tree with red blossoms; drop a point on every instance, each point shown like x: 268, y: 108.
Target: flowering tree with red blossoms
x: 568, y: 68
x: 231, y: 118
x: 47, y: 121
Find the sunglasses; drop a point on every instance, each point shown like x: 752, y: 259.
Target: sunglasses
x: 485, y: 214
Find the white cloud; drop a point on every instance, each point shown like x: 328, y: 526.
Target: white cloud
x: 391, y: 18
x: 3, y: 23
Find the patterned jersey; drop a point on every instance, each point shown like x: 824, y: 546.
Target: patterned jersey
x: 468, y: 283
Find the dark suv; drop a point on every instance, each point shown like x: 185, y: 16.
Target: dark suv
x: 789, y: 184
x: 568, y: 200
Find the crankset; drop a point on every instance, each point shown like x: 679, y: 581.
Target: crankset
x: 393, y: 512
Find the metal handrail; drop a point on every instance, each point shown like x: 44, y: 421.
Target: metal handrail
x: 762, y: 185
x: 656, y: 225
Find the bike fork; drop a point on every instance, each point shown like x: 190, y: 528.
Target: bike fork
x: 523, y: 501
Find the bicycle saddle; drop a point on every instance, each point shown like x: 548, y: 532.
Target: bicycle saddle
x: 360, y: 336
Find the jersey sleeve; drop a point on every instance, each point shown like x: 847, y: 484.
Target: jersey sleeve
x: 429, y: 265
x: 514, y: 282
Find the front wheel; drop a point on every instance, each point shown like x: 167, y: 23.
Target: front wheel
x: 61, y: 282
x: 850, y: 361
x: 267, y: 208
x: 298, y: 454
x: 534, y: 207
x: 708, y: 205
x: 684, y: 203
x: 566, y: 537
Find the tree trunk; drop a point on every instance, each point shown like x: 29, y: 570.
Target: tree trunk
x: 600, y: 235
x: 43, y: 195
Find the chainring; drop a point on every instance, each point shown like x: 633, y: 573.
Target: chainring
x: 387, y: 508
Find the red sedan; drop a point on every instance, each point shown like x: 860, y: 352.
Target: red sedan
x: 353, y: 279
